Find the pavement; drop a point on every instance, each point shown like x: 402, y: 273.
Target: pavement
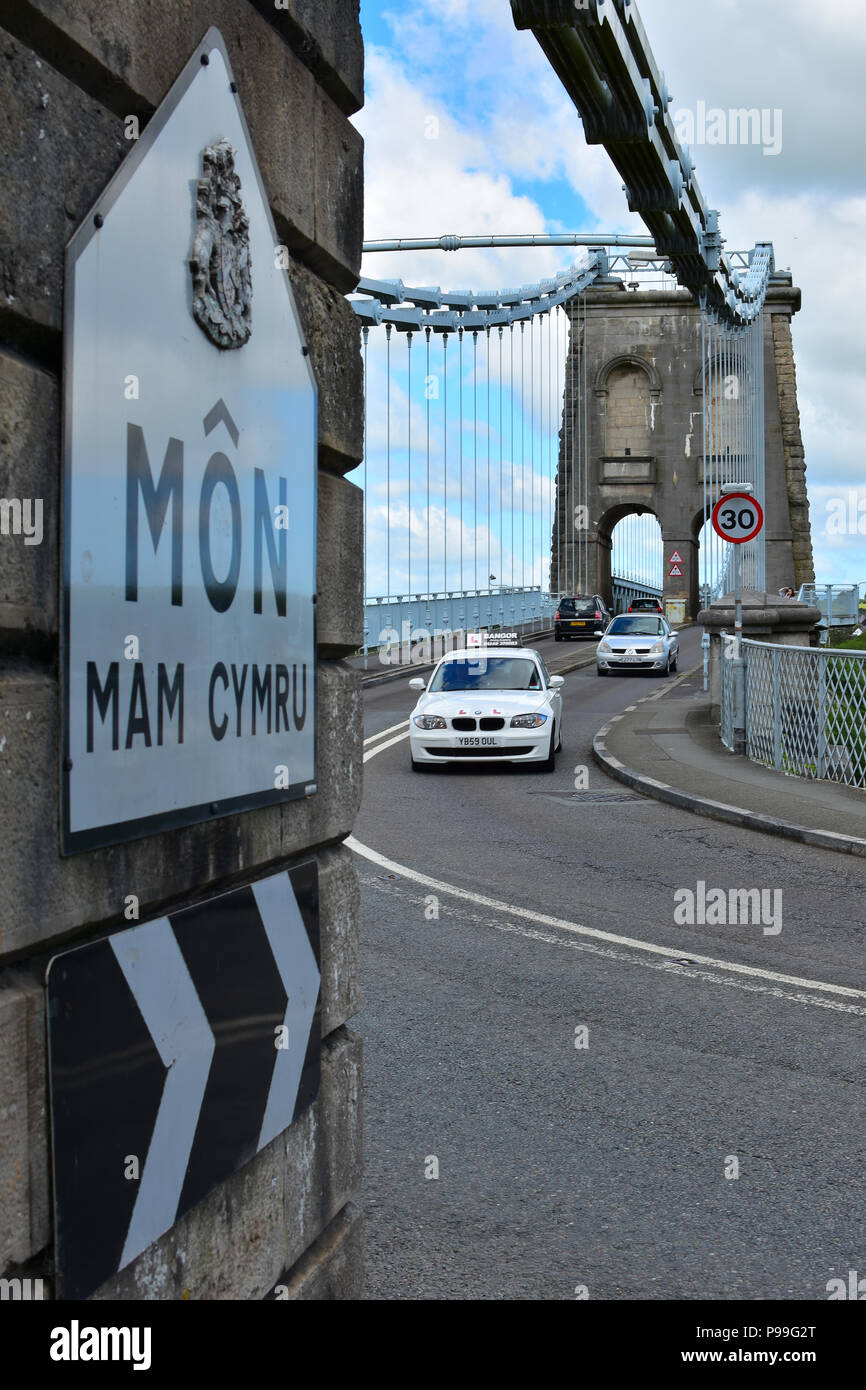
x: 667, y: 747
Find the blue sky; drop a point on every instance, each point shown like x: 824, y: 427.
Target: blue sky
x: 509, y: 156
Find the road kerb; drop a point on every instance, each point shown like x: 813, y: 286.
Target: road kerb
x: 715, y: 810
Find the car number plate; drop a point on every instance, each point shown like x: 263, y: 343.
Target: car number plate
x: 483, y: 741
x: 578, y: 624
x: 632, y: 660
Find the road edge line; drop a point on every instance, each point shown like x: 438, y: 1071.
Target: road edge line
x: 593, y: 933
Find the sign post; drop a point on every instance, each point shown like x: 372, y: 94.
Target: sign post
x: 738, y: 518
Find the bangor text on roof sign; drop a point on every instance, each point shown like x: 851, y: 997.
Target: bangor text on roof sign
x: 190, y: 486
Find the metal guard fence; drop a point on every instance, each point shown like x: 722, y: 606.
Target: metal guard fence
x: 805, y: 710
x: 727, y: 677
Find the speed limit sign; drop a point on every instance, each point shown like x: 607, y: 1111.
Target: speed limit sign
x: 737, y: 517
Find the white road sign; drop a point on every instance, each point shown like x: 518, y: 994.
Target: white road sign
x: 190, y: 486
x: 737, y: 517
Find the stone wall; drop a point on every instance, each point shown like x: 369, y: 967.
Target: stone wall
x: 795, y: 454
x: 71, y: 73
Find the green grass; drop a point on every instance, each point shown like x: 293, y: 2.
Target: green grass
x: 854, y: 644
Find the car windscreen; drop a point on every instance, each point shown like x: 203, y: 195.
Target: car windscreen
x: 578, y: 607
x: 645, y: 605
x: 635, y: 627
x: 487, y: 673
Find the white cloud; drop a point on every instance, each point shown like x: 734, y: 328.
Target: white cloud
x: 416, y: 186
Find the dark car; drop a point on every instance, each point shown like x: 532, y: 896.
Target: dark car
x: 580, y: 615
x: 645, y: 605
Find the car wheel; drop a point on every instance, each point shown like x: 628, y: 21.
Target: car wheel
x: 557, y: 637
x: 559, y: 740
x: 600, y: 672
x: 418, y: 767
x: 675, y: 664
x: 550, y: 761
x: 667, y: 670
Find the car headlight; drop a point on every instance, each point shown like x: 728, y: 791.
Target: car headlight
x: 528, y: 721
x: 603, y: 647
x: 657, y: 649
x: 429, y: 721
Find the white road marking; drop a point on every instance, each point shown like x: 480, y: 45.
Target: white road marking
x: 404, y: 724
x: 541, y: 919
x: 670, y: 967
x: 156, y: 972
x: 380, y: 748
x: 293, y: 956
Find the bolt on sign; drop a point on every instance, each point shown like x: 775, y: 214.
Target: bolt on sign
x: 189, y: 547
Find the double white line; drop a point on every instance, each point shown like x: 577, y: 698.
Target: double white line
x: 404, y: 725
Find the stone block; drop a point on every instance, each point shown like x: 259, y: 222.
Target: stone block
x: 333, y: 1267
x: 339, y: 187
x: 326, y: 36
x: 333, y: 332
x: 24, y: 1157
x: 44, y: 897
x: 60, y: 148
x: 235, y: 1243
x: 127, y: 54
x: 29, y: 450
x: 340, y: 920
x: 340, y: 579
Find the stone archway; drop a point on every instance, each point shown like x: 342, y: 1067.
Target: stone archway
x: 604, y: 530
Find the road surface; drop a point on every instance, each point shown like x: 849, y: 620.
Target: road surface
x: 588, y: 1098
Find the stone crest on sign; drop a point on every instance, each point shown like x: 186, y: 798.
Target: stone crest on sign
x: 220, y: 256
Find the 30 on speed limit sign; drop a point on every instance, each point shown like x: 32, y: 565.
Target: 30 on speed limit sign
x: 738, y: 517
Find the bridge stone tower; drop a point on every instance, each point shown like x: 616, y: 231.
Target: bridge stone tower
x: 633, y: 410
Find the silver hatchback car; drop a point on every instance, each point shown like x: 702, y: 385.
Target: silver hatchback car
x: 638, y: 641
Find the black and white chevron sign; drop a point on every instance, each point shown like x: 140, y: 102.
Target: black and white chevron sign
x: 177, y: 1050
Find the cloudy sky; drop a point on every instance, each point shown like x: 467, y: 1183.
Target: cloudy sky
x: 507, y: 155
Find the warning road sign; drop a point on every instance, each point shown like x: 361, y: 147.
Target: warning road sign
x: 675, y: 572
x: 178, y: 1049
x: 675, y: 559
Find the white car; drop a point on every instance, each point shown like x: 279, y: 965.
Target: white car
x: 487, y: 705
x: 638, y: 641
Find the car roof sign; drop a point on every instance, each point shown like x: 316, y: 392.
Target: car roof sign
x: 492, y: 639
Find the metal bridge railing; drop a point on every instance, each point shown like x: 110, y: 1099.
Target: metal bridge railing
x: 393, y: 622
x: 805, y: 710
x: 726, y: 730
x: 839, y: 605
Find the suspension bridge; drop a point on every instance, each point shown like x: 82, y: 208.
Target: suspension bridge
x: 571, y: 435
